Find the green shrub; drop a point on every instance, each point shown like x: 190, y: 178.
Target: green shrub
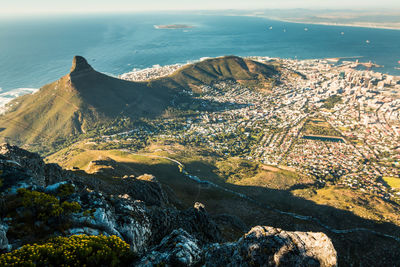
x: 65, y: 190
x: 78, y: 250
x: 36, y: 215
x: 70, y: 207
x: 44, y: 206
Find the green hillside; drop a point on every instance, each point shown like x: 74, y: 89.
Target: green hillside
x: 78, y: 102
x: 247, y: 72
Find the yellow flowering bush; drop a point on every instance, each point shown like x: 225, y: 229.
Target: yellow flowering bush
x: 77, y: 250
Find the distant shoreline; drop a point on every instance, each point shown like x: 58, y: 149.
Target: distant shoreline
x: 355, y: 25
x: 7, y: 96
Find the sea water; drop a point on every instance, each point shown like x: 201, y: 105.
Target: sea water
x: 35, y: 51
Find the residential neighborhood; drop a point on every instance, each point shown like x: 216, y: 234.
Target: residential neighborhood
x: 337, y: 122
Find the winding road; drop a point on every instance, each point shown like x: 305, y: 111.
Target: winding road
x: 291, y: 214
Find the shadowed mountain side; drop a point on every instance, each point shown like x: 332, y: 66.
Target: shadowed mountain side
x: 135, y: 210
x: 270, y: 207
x: 78, y: 102
x: 112, y: 97
x: 358, y: 247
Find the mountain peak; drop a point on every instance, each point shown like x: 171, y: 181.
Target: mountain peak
x: 80, y: 64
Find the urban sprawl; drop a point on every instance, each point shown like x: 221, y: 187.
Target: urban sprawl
x: 325, y: 118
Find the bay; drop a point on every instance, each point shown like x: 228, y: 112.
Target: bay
x: 35, y: 51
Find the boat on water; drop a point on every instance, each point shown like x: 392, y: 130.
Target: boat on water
x: 334, y: 60
x: 306, y: 29
x: 342, y: 33
x: 367, y: 41
x: 270, y: 28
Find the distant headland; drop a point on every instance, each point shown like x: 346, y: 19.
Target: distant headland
x: 388, y: 19
x: 173, y: 26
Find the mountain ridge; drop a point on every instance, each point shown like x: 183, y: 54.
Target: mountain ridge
x: 85, y: 98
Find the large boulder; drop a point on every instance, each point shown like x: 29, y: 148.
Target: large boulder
x: 268, y: 246
x: 196, y: 221
x: 21, y: 168
x: 119, y: 215
x: 177, y: 249
x: 3, y: 237
x: 17, y: 157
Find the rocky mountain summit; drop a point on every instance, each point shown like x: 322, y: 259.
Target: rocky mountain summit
x: 41, y: 201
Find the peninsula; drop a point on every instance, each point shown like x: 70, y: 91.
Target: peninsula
x: 350, y: 18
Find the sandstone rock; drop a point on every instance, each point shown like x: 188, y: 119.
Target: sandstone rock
x: 268, y: 246
x: 177, y: 249
x: 25, y: 169
x: 121, y: 217
x: 196, y: 221
x: 54, y: 187
x: 31, y: 162
x: 3, y: 237
x: 232, y: 228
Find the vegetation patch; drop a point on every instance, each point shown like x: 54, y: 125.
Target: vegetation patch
x: 44, y: 206
x: 393, y: 182
x: 78, y: 250
x: 37, y: 214
x: 331, y: 101
x: 276, y: 178
x: 361, y: 204
x: 320, y: 127
x: 235, y: 169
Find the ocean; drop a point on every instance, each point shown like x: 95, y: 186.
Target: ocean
x: 35, y: 51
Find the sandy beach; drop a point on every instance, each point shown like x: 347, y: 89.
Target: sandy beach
x: 360, y: 25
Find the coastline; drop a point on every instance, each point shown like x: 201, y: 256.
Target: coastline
x: 158, y: 71
x: 6, y: 97
x: 355, y: 25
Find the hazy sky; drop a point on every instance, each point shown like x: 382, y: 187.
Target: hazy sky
x: 61, y: 6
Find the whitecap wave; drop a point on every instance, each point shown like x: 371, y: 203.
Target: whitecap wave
x: 10, y: 95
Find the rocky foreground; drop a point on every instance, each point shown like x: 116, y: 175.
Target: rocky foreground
x: 40, y: 201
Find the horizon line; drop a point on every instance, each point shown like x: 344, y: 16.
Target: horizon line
x: 89, y: 12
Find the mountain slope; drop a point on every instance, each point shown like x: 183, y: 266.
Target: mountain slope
x: 78, y: 102
x: 245, y: 71
x: 84, y: 99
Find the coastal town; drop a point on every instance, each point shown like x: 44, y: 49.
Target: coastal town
x: 334, y: 120
x: 150, y: 73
